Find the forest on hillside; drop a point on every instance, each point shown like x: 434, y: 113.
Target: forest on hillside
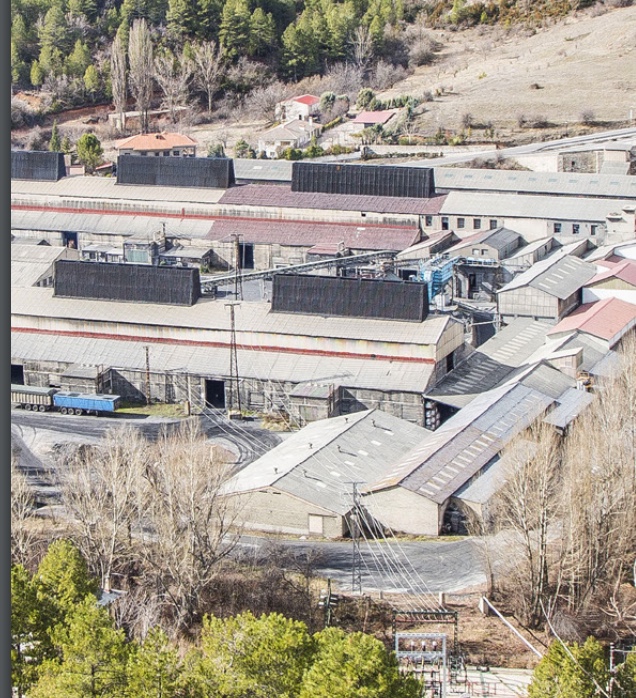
x: 211, y: 48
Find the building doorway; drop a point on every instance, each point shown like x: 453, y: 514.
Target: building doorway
x: 246, y: 256
x: 17, y: 374
x: 69, y: 240
x: 215, y: 394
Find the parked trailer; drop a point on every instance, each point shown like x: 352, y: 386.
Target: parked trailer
x: 78, y: 403
x: 32, y: 398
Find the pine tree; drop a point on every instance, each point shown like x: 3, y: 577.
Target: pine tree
x: 55, y: 145
x: 91, y: 81
x: 262, y: 33
x: 36, y: 74
x: 78, y: 60
x: 154, y: 668
x: 92, y: 657
x: 234, y: 33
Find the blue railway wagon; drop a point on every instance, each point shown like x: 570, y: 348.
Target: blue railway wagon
x: 31, y: 397
x: 78, y: 403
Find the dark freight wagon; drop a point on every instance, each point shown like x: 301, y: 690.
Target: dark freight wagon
x: 32, y: 398
x: 45, y: 399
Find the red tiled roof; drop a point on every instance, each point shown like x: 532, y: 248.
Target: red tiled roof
x: 373, y: 117
x: 309, y: 100
x: 284, y: 197
x: 295, y: 233
x: 608, y: 319
x: 155, y: 141
x: 625, y: 271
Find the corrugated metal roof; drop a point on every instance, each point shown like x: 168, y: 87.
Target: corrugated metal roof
x: 108, y: 224
x: 282, y: 196
x: 29, y: 263
x: 266, y: 170
x: 464, y: 444
x: 495, y: 474
x: 558, y: 275
x: 543, y: 378
x: 570, y: 406
x: 107, y: 188
x: 491, y: 363
x: 554, y: 208
x: 318, y: 463
x: 215, y: 362
x: 608, y: 319
x: 520, y: 181
x: 499, y: 239
x: 355, y: 237
x: 252, y: 319
x: 625, y: 271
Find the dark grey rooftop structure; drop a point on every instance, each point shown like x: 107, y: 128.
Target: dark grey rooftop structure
x: 383, y: 180
x: 214, y: 173
x: 331, y: 296
x: 37, y: 165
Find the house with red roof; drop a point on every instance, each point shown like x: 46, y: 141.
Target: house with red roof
x: 367, y: 119
x: 609, y: 320
x: 159, y: 144
x: 302, y: 107
x: 615, y: 280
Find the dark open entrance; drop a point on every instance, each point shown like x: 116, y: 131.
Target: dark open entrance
x: 246, y: 256
x: 17, y: 374
x: 215, y: 394
x: 69, y: 240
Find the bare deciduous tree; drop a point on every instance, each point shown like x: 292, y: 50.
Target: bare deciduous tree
x: 118, y: 78
x: 192, y: 527
x: 25, y: 529
x: 141, y: 69
x: 173, y: 77
x: 261, y: 103
x: 528, y: 505
x: 208, y: 68
x: 98, y: 486
x: 361, y: 43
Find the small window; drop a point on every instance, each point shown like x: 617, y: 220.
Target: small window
x: 557, y: 227
x: 143, y: 152
x: 593, y: 229
x: 428, y: 221
x: 475, y: 252
x: 175, y: 152
x: 166, y: 153
x: 476, y: 223
x: 493, y: 223
x: 576, y: 228
x: 445, y: 223
x: 461, y: 222
x: 157, y: 154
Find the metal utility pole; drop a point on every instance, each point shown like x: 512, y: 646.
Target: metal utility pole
x: 356, y: 558
x: 234, y: 375
x: 147, y: 350
x: 238, y: 282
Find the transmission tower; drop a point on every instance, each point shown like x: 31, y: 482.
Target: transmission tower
x: 234, y: 375
x: 355, y: 523
x: 238, y: 279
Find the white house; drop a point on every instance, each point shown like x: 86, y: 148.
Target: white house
x: 302, y: 107
x: 293, y: 134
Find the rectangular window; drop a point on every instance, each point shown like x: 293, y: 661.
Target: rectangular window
x: 175, y: 152
x: 475, y: 252
x: 428, y: 221
x: 461, y: 222
x: 476, y: 223
x: 556, y: 227
x: 166, y: 153
x: 444, y: 222
x: 493, y: 223
x: 576, y: 228
x: 593, y: 229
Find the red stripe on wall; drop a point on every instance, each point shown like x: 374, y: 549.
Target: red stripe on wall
x: 198, y: 216
x: 251, y: 347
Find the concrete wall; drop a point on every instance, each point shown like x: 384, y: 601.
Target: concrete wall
x: 528, y: 302
x: 274, y: 511
x: 405, y: 511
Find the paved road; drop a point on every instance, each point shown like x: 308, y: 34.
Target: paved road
x: 537, y: 147
x: 406, y: 567
x: 418, y: 567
